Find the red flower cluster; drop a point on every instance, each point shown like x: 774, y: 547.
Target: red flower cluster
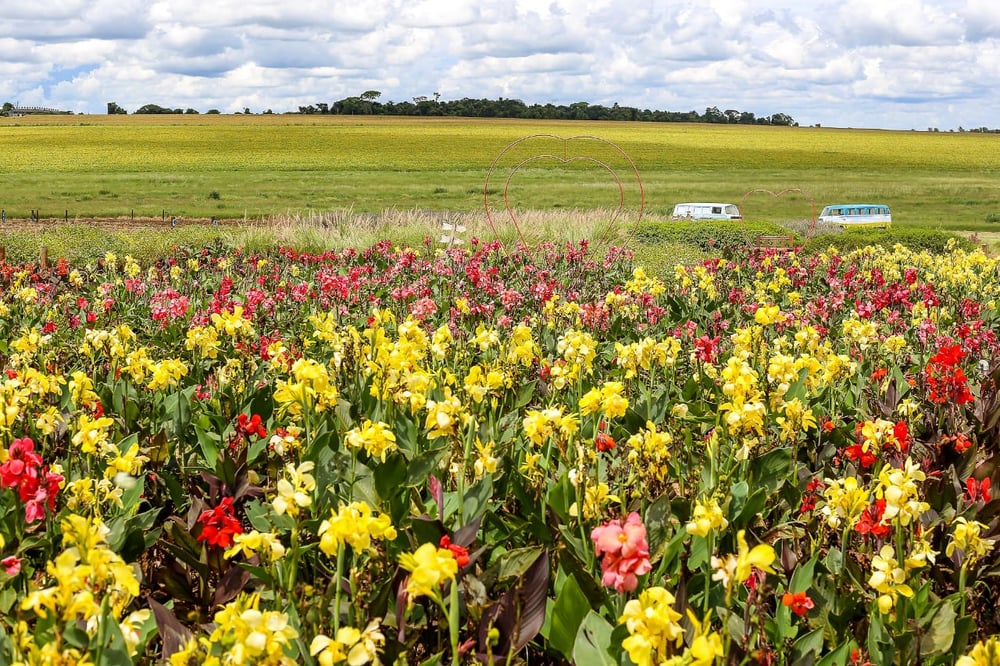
x: 624, y: 552
x: 220, y: 525
x: 870, y: 521
x: 811, y: 494
x: 460, y: 553
x: 978, y: 490
x: 800, y: 603
x: 250, y: 425
x: 603, y: 441
x: 36, y: 485
x: 946, y: 381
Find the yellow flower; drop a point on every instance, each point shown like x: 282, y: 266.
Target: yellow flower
x: 166, y: 373
x: 653, y: 626
x: 982, y: 653
x: 377, y: 439
x: 760, y: 556
x: 845, y: 501
x: 898, y: 486
x: 294, y: 489
x: 354, y: 525
x: 966, y: 538
x: 256, y: 543
x: 767, y: 315
x: 888, y: 579
x: 92, y: 434
x: 486, y: 462
x: 430, y: 567
x: 445, y: 416
x: 706, y: 517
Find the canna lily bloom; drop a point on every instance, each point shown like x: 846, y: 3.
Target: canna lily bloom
x: 220, y: 524
x: 800, y: 603
x: 624, y: 552
x: 706, y: 517
x: 654, y: 627
x: 377, y: 439
x: 760, y: 556
x: 430, y: 567
x: 294, y: 489
x: 966, y: 538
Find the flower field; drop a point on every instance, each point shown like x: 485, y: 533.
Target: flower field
x: 468, y: 456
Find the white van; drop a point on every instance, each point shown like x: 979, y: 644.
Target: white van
x: 706, y: 211
x: 857, y: 215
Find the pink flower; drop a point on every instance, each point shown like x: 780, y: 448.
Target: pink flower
x: 624, y: 552
x: 11, y: 565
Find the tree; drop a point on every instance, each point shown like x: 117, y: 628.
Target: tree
x: 114, y: 109
x: 7, y: 107
x: 153, y: 108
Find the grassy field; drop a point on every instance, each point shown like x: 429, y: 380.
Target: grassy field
x: 259, y: 167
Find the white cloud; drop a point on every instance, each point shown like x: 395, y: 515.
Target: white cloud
x: 895, y: 63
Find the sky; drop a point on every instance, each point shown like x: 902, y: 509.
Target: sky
x: 889, y: 64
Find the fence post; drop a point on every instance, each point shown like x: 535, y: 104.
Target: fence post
x: 3, y: 254
x: 44, y: 259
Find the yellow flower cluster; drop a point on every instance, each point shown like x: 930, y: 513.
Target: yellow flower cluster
x: 607, y: 399
x: 649, y: 450
x: 349, y: 645
x: 430, y: 567
x: 354, y: 525
x: 706, y: 517
x: 898, y: 487
x: 654, y: 627
x: 243, y: 634
x: 540, y: 425
x: 646, y: 354
x: 888, y: 579
x: 966, y: 538
x: 377, y: 439
x: 85, y: 574
x: 846, y: 499
x: 309, y: 389
x: 256, y: 543
x: 294, y: 489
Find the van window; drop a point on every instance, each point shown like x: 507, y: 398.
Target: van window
x: 717, y: 210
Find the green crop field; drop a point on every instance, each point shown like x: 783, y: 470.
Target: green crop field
x: 263, y: 166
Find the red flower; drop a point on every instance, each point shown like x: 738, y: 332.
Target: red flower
x: 870, y: 521
x: 250, y: 425
x: 879, y: 374
x: 705, y: 348
x: 219, y: 525
x: 11, y: 565
x: 460, y: 552
x: 624, y: 552
x: 860, y: 453
x: 604, y: 442
x: 800, y: 603
x: 978, y: 490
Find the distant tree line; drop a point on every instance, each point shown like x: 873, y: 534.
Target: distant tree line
x: 367, y: 104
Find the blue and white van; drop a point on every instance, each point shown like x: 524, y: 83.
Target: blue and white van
x: 857, y: 215
x: 706, y: 211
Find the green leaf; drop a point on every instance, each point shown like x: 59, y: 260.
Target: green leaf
x: 940, y: 634
x: 568, y: 611
x: 807, y: 644
x: 772, y: 469
x: 592, y: 642
x: 839, y: 656
x: 423, y: 465
x: 390, y: 477
x: 209, y: 443
x: 477, y: 499
x: 515, y: 562
x: 802, y: 577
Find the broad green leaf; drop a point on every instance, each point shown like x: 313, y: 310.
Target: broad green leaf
x: 592, y: 642
x: 568, y: 611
